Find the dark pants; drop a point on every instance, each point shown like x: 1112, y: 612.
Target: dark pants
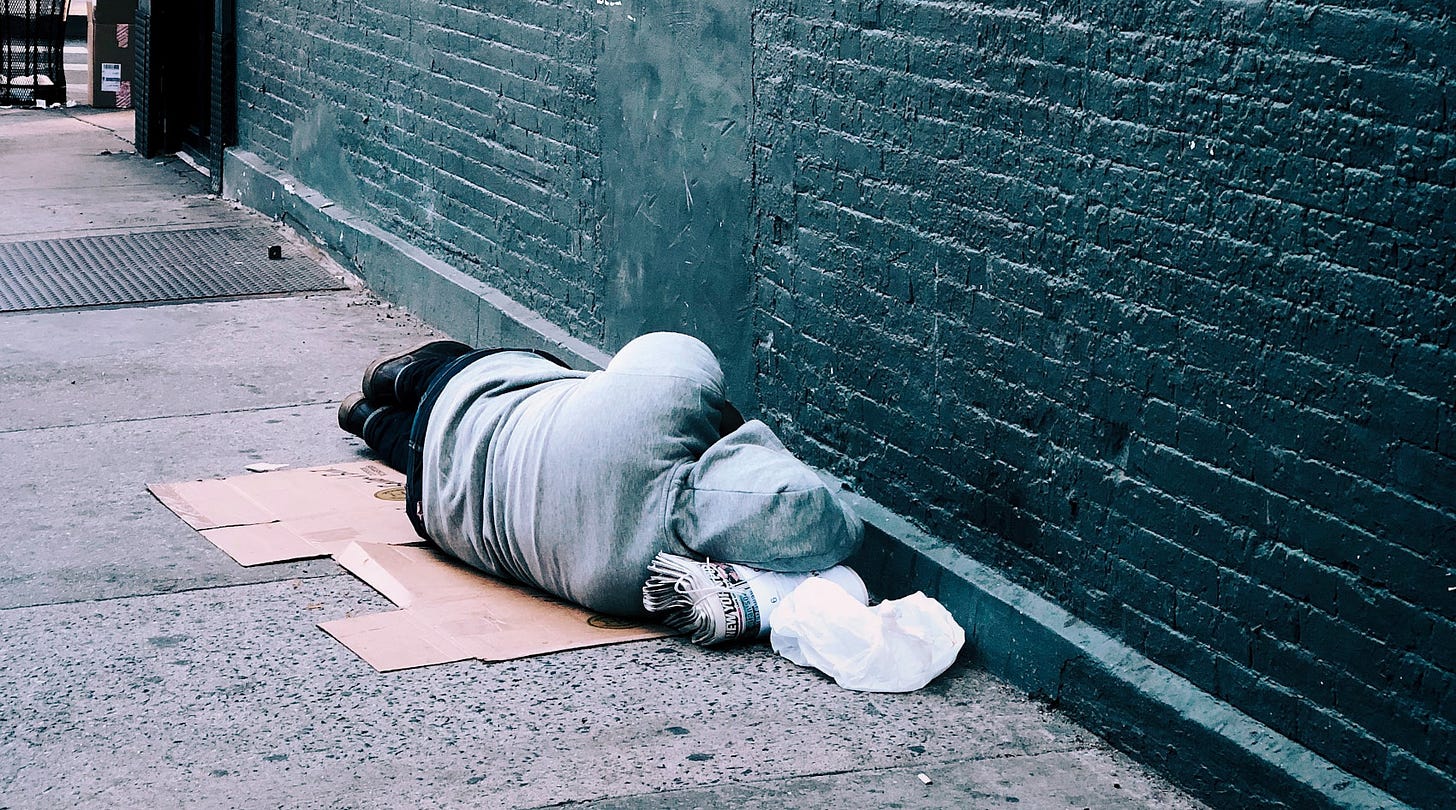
x: 397, y: 435
x: 388, y: 433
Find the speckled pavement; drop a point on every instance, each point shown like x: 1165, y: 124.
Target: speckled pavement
x: 141, y: 667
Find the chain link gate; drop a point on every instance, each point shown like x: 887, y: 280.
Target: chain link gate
x: 32, y: 63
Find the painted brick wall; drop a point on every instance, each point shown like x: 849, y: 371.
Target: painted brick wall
x: 587, y: 157
x: 467, y: 129
x: 1161, y: 294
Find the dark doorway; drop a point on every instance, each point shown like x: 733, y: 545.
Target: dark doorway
x: 186, y: 68
x: 187, y: 88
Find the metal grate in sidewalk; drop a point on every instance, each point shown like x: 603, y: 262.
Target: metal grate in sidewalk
x: 152, y: 267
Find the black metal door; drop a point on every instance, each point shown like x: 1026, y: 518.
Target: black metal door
x: 179, y: 49
x: 185, y: 68
x: 189, y: 85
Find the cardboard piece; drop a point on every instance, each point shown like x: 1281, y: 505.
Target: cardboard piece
x: 355, y: 513
x: 451, y: 612
x: 294, y: 514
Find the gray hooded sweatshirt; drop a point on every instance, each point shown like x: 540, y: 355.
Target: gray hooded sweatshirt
x: 573, y: 481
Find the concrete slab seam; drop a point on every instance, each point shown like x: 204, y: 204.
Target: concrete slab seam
x: 226, y: 586
x: 1012, y: 632
x: 662, y: 796
x: 166, y: 416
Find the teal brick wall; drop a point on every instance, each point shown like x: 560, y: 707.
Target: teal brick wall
x: 1161, y: 294
x: 469, y: 131
x: 589, y: 159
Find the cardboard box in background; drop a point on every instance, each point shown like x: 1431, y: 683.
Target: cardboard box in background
x: 354, y: 512
x: 109, y: 43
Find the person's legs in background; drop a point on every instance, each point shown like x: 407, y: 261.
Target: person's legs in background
x: 388, y: 435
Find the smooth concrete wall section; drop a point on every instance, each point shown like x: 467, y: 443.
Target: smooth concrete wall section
x: 674, y: 90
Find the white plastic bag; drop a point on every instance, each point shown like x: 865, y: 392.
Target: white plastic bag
x: 896, y: 646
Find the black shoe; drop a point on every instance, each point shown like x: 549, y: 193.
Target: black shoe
x: 356, y: 411
x: 382, y: 376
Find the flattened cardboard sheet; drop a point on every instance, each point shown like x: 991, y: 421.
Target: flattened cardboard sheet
x: 451, y: 612
x: 294, y: 514
x: 355, y: 513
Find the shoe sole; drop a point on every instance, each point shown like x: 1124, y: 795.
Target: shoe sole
x: 345, y: 408
x: 387, y: 397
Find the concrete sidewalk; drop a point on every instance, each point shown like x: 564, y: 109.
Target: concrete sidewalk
x: 142, y: 667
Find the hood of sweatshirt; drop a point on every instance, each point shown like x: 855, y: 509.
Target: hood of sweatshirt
x: 747, y: 499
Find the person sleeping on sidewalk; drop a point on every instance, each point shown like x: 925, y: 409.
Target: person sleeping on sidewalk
x: 574, y: 481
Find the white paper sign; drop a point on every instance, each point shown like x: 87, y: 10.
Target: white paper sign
x: 110, y: 77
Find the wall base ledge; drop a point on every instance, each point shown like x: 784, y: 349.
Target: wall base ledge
x: 457, y: 304
x: 1204, y: 744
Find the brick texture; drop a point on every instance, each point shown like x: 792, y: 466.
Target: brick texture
x: 468, y: 130
x: 1162, y: 295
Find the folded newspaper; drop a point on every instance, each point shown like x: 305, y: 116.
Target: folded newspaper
x: 718, y: 603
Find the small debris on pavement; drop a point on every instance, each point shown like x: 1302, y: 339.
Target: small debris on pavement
x: 264, y: 467
x: 924, y: 778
